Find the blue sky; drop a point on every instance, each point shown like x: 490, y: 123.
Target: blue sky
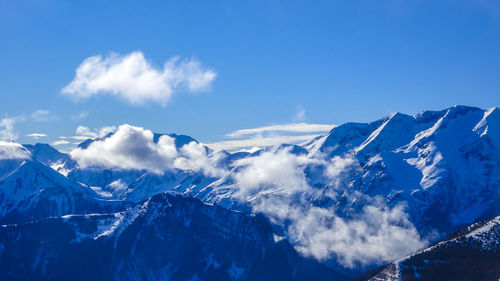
x: 276, y: 62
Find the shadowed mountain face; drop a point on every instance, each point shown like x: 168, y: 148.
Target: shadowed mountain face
x: 167, y: 237
x: 473, y: 253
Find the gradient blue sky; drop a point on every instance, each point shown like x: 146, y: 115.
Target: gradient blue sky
x: 338, y: 60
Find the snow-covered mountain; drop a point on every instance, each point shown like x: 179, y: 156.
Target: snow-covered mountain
x: 31, y: 190
x: 445, y: 165
x: 362, y: 195
x: 472, y: 253
x: 167, y: 237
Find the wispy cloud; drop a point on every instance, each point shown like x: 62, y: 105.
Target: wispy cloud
x: 86, y: 132
x: 60, y: 142
x: 7, y: 129
x: 78, y: 138
x: 292, y: 133
x: 36, y: 135
x: 136, y: 80
x: 286, y: 128
x: 232, y: 145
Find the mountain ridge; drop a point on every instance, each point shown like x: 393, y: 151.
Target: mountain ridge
x: 438, y: 170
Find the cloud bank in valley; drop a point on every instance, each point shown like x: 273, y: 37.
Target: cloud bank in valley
x: 277, y: 186
x: 135, y: 80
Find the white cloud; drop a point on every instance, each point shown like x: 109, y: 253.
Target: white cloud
x: 36, y: 135
x: 233, y: 145
x: 277, y: 172
x: 134, y: 79
x: 117, y: 186
x: 79, y: 138
x: 7, y: 129
x: 276, y: 185
x: 60, y: 142
x: 134, y: 148
x: 11, y: 150
x: 293, y: 133
x: 129, y: 148
x: 378, y: 234
x: 193, y: 156
x: 291, y: 128
x: 86, y: 132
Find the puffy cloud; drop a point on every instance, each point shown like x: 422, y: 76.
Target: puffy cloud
x: 134, y: 148
x: 129, y: 148
x: 133, y: 78
x: 277, y: 172
x: 276, y: 185
x: 11, y: 150
x: 36, y: 135
x: 378, y: 234
x: 193, y: 156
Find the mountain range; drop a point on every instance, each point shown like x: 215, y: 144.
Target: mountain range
x: 408, y: 197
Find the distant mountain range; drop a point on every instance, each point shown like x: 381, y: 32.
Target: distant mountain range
x: 134, y: 205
